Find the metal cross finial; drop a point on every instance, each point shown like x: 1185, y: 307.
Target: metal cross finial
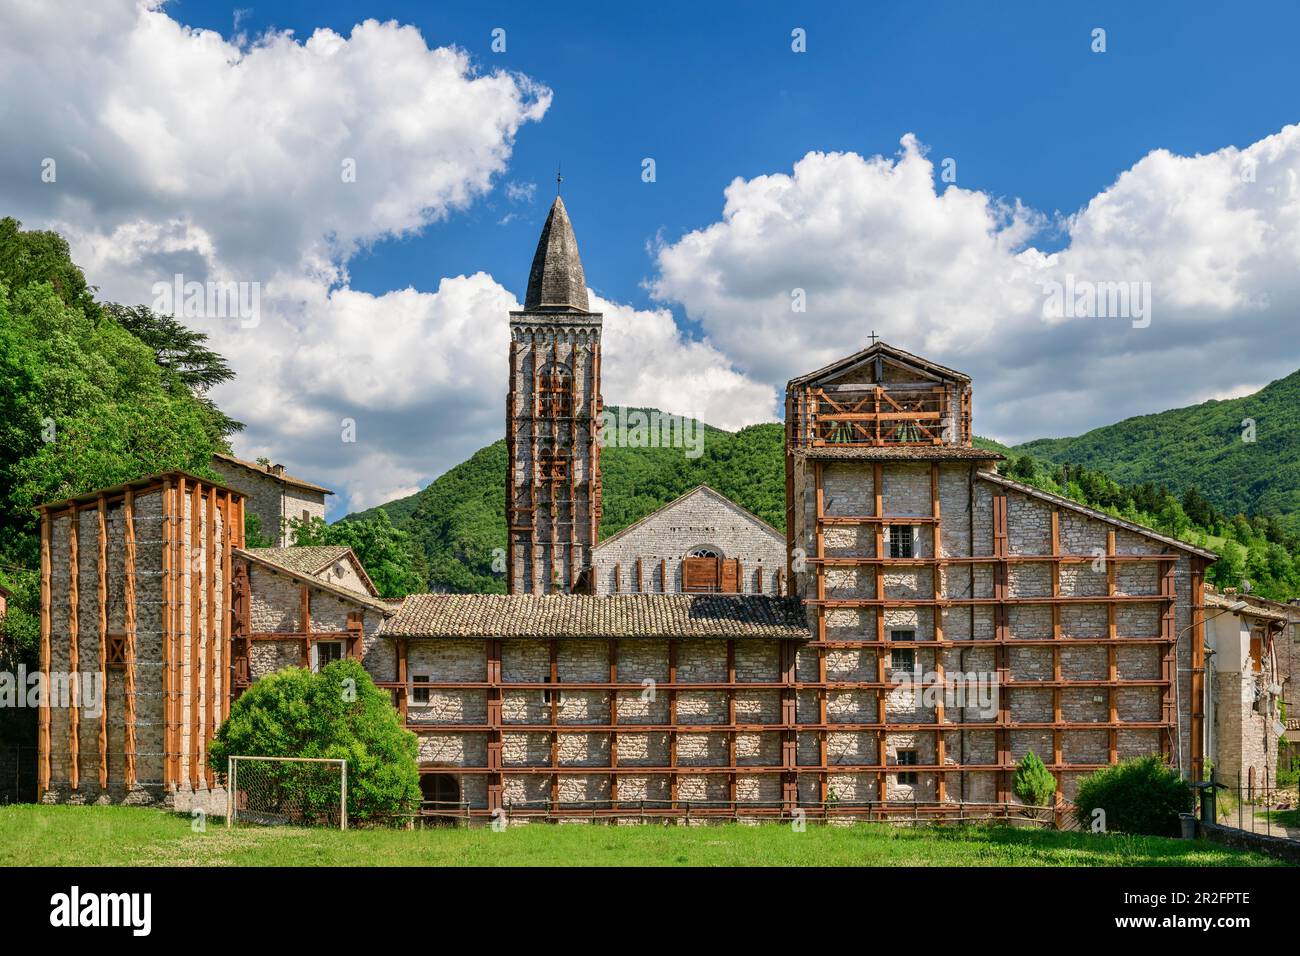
x: 558, y: 179
x: 874, y: 337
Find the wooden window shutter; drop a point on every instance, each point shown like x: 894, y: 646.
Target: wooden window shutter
x: 700, y: 574
x: 730, y: 576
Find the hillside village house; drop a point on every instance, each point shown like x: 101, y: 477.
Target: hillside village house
x: 1247, y: 640
x: 272, y: 495
x: 936, y: 620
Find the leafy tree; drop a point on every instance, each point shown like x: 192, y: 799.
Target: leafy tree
x: 29, y: 257
x: 1023, y: 468
x: 337, y: 713
x: 253, y: 536
x: 184, y: 355
x: 1034, y: 783
x: 385, y: 552
x: 1143, y: 795
x: 1230, y: 569
x: 84, y: 407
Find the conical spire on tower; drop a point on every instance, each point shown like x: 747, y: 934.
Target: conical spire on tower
x: 556, y: 280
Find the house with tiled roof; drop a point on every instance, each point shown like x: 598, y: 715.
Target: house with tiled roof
x: 336, y: 563
x: 271, y: 495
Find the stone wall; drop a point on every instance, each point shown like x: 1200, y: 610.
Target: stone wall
x: 191, y: 583
x: 966, y: 529
x: 540, y: 340
x: 270, y: 498
x: 276, y: 606
x: 641, y: 664
x: 702, y: 518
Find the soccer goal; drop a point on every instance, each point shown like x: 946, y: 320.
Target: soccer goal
x: 287, y: 791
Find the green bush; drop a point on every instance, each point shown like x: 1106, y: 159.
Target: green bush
x: 1143, y: 795
x: 1034, y: 783
x: 337, y: 713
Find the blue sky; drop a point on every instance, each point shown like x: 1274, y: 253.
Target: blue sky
x: 1012, y: 91
x: 194, y: 139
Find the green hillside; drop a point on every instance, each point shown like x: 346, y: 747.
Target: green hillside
x: 1185, y: 472
x: 459, y: 519
x: 1202, y: 447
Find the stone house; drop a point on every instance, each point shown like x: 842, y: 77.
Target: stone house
x: 701, y: 542
x: 1244, y: 688
x: 271, y: 494
x: 147, y: 587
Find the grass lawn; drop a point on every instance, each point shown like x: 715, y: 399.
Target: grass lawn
x: 133, y: 836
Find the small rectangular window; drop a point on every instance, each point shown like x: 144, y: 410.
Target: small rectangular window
x: 115, y: 651
x: 906, y: 758
x: 419, y: 695
x: 900, y: 541
x: 902, y: 658
x: 327, y: 652
x: 555, y: 696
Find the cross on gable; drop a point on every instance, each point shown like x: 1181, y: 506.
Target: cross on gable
x: 874, y: 337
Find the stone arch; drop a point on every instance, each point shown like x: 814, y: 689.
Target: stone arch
x: 705, y: 551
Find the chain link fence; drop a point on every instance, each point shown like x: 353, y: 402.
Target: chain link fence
x: 287, y: 791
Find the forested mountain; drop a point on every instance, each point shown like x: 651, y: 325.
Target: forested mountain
x: 1242, y: 454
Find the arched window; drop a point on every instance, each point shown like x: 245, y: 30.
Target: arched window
x: 552, y: 461
x: 555, y: 391
x: 704, y: 551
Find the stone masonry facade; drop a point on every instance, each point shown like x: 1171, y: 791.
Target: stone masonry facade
x: 700, y: 519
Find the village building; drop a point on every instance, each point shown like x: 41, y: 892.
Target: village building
x: 935, y: 620
x: 702, y: 542
x: 924, y: 569
x: 272, y: 495
x: 1245, y: 642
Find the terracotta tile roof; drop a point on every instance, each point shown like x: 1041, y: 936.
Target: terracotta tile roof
x: 1252, y: 608
x: 899, y: 453
x: 287, y: 478
x: 309, y: 559
x: 582, y: 615
x: 313, y: 559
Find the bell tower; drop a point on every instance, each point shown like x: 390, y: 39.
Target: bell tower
x: 553, y: 421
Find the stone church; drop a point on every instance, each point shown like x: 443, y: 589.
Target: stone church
x: 919, y: 626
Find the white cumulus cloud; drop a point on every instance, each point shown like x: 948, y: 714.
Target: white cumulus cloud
x: 952, y: 274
